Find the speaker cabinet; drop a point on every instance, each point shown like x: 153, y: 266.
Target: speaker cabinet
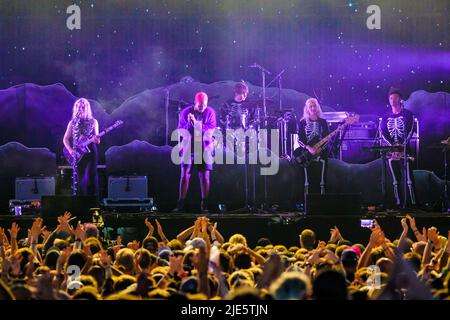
x: 33, y: 188
x: 333, y: 204
x: 127, y: 187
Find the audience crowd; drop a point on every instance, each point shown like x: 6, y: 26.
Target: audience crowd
x: 74, y: 262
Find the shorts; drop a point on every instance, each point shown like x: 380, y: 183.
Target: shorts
x: 203, y: 166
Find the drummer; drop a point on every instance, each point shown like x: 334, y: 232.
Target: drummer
x: 233, y: 114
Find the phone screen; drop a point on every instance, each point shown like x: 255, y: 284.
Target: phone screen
x: 367, y: 223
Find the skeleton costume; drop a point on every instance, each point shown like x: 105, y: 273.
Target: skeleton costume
x: 397, y: 129
x: 87, y: 177
x: 311, y: 132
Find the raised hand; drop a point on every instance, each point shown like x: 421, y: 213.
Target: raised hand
x: 335, y: 235
x: 331, y: 256
x: 412, y: 222
x: 45, y: 233
x: 2, y: 236
x: 377, y: 237
x: 87, y: 251
x: 104, y: 259
x: 273, y: 268
x: 16, y: 260
x: 14, y: 230
x: 158, y: 226
x: 133, y: 245
x: 63, y: 222
x: 149, y: 225
x: 404, y: 225
x: 433, y: 236
x: 79, y: 232
x: 447, y: 246
x: 424, y: 235
x: 213, y: 230
x: 321, y: 245
x: 63, y: 256
x: 36, y: 230
x: 314, y: 258
x: 204, y: 225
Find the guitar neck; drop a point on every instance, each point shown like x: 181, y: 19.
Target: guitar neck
x: 328, y: 137
x: 101, y: 134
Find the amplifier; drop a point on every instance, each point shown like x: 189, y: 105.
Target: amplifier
x: 127, y: 187
x: 33, y: 188
x: 352, y: 151
x: 364, y: 130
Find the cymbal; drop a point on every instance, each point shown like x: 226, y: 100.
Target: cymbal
x: 178, y: 102
x: 255, y: 102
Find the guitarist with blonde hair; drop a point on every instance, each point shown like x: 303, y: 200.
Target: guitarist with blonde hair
x: 311, y: 129
x: 81, y: 127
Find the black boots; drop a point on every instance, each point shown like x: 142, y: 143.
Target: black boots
x: 180, y: 207
x: 204, y: 206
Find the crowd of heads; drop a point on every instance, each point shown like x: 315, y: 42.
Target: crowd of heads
x: 75, y: 262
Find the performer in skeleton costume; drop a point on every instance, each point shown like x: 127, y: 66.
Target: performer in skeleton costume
x: 397, y: 128
x: 83, y: 124
x: 312, y: 128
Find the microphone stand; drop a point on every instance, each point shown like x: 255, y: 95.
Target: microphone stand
x: 167, y: 96
x: 252, y: 208
x: 263, y: 79
x: 446, y: 201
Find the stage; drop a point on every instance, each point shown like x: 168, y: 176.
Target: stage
x: 280, y: 228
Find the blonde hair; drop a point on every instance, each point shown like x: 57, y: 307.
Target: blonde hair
x: 76, y: 107
x: 306, y: 114
x: 238, y: 238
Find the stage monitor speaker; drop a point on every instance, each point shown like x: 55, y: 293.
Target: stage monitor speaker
x: 79, y: 206
x: 333, y: 204
x: 127, y: 187
x: 33, y: 188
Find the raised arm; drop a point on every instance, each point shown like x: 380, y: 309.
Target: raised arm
x: 184, y: 235
x: 13, y: 234
x: 161, y: 232
x: 150, y: 227
x: 215, y: 234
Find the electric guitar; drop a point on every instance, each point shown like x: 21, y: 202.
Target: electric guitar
x: 303, y: 157
x: 84, y: 142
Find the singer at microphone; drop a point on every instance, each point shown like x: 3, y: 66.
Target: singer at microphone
x: 200, y: 121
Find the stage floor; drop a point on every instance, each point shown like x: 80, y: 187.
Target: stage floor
x: 280, y: 228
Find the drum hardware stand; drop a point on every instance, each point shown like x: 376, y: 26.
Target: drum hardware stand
x: 445, y: 200
x: 166, y: 105
x: 263, y: 78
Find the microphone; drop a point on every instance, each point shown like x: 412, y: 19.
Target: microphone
x: 255, y: 65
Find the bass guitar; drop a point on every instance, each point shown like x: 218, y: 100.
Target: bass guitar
x: 303, y: 157
x: 84, y: 142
